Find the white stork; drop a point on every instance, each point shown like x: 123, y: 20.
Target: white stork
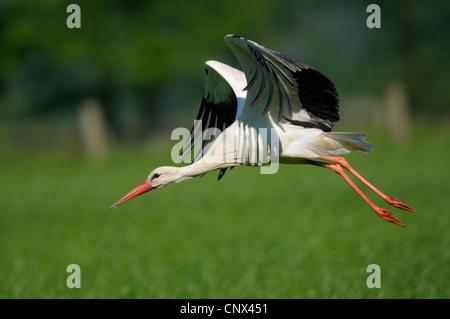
x: 274, y: 93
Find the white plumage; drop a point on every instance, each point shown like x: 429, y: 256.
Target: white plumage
x: 275, y: 109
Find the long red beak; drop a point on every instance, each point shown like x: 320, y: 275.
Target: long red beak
x: 142, y: 188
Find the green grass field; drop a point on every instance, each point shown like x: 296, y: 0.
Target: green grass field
x: 301, y: 233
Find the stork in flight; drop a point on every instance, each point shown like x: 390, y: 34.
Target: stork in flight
x: 275, y: 93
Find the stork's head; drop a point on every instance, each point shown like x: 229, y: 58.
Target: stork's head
x: 159, y: 177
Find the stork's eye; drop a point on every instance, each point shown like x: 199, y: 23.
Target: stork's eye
x: 155, y: 176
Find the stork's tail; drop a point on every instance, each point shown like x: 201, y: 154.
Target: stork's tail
x: 352, y: 141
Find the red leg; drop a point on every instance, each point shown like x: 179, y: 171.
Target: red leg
x: 391, y: 201
x: 383, y: 213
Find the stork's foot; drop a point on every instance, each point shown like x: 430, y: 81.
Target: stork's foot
x: 391, y: 201
x: 387, y: 215
x: 399, y: 204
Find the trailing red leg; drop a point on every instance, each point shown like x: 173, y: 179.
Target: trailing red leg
x: 383, y: 213
x: 391, y: 201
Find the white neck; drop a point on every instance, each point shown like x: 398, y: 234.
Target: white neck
x: 199, y: 168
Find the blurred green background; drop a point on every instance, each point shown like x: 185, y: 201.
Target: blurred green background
x: 86, y: 114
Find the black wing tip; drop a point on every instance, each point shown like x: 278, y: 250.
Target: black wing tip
x: 323, y: 101
x: 317, y: 93
x: 324, y: 125
x: 221, y: 173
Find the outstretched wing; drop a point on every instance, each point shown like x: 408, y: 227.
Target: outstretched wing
x: 217, y: 111
x: 277, y: 81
